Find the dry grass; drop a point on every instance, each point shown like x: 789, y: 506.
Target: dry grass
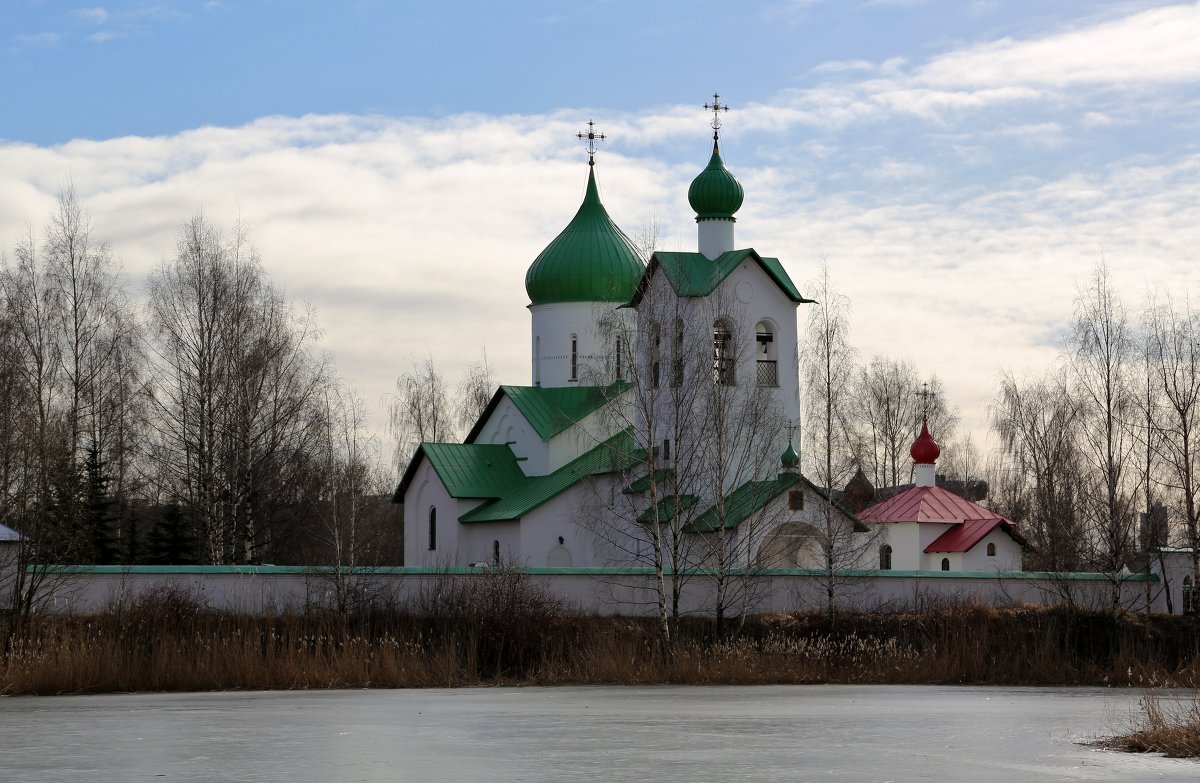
x: 1167, y: 726
x: 507, y: 631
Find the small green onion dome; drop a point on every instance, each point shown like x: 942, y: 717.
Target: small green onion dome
x: 790, y: 459
x: 715, y: 193
x: 590, y: 261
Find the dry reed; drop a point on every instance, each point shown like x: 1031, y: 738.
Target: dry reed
x: 506, y: 630
x: 1170, y: 726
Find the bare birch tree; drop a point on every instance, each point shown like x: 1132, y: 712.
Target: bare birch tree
x: 1101, y: 353
x: 829, y: 370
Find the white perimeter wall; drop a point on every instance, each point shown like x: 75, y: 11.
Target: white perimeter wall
x: 269, y: 589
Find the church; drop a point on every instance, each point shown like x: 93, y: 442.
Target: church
x: 659, y: 424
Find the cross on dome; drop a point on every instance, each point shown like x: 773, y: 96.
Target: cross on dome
x: 716, y: 107
x: 925, y: 396
x: 590, y: 139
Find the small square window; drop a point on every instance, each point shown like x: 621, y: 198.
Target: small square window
x: 796, y: 500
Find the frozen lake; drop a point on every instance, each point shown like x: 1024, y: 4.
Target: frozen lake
x: 643, y: 734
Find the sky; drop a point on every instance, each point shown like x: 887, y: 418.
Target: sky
x: 960, y: 166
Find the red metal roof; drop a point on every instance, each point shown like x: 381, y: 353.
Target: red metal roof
x: 933, y: 504
x: 926, y: 504
x: 962, y: 537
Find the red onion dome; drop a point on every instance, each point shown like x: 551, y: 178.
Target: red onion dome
x: 925, y: 450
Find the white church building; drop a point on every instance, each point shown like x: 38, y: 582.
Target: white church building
x: 659, y: 420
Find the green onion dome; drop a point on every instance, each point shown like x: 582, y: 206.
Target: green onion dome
x: 715, y: 193
x: 790, y: 459
x: 590, y: 261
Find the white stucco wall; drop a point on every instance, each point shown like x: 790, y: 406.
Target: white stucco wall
x: 507, y: 425
x: 265, y: 590
x: 714, y: 237
x: 1007, y: 558
x: 550, y: 346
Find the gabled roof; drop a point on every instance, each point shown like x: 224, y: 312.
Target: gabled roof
x: 8, y: 534
x: 667, y: 508
x: 744, y: 501
x: 619, y: 452
x: 964, y: 537
x: 640, y: 485
x: 551, y: 411
x: 482, y: 470
x: 927, y: 504
x: 695, y: 275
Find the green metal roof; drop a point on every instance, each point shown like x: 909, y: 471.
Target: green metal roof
x: 695, y: 275
x: 642, y: 484
x: 747, y: 499
x: 552, y: 411
x: 590, y: 261
x: 468, y: 470
x: 619, y: 452
x: 667, y: 508
x: 715, y: 193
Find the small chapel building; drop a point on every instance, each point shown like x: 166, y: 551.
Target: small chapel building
x: 928, y: 528
x: 663, y: 397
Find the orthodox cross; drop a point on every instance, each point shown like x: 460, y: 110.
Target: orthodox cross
x: 925, y: 396
x: 590, y: 139
x: 716, y: 107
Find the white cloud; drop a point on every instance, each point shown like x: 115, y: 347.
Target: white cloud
x: 39, y: 39
x: 1157, y: 46
x: 95, y: 15
x: 842, y: 66
x: 103, y: 36
x: 396, y: 229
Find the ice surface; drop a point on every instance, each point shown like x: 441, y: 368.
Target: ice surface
x: 642, y: 734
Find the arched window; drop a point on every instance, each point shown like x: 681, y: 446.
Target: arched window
x: 766, y: 352
x: 991, y: 550
x: 723, y: 358
x: 885, y: 557
x: 617, y: 361
x: 655, y: 353
x: 945, y: 564
x: 495, y: 553
x: 432, y: 528
x: 677, y: 354
x: 574, y: 357
x: 537, y: 360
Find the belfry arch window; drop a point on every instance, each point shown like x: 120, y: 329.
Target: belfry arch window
x: 723, y: 358
x: 885, y: 557
x: 432, y: 528
x: 574, y: 357
x: 767, y: 354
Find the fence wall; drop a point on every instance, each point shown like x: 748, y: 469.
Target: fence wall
x: 627, y: 591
